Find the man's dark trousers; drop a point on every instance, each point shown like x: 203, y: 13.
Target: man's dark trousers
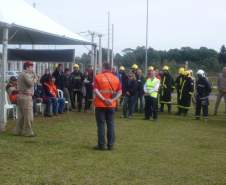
x: 103, y: 116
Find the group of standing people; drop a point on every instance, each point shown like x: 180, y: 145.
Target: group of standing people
x: 135, y: 93
x: 76, y: 86
x: 157, y: 88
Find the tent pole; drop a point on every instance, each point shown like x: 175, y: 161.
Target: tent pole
x: 95, y: 60
x: 3, y: 117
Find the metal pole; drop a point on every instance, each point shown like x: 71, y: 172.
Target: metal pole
x: 37, y: 66
x: 100, y: 53
x: 95, y: 63
x: 95, y: 59
x: 3, y: 115
x: 108, y: 53
x: 146, y: 49
x: 112, y: 47
x: 93, y: 49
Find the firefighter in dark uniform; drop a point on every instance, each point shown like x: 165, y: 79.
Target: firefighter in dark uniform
x: 76, y: 88
x: 123, y: 80
x: 88, y: 82
x: 166, y: 89
x: 178, y: 83
x: 134, y: 69
x: 186, y: 92
x: 203, y: 90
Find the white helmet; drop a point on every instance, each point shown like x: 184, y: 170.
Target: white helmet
x: 201, y: 73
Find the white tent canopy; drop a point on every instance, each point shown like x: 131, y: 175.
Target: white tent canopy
x: 28, y: 26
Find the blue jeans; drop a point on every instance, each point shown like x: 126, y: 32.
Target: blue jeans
x: 51, y: 104
x: 129, y: 105
x: 105, y: 116
x: 139, y: 107
x: 57, y: 105
x: 60, y: 103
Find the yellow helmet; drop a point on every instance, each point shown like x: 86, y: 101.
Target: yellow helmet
x: 134, y: 66
x: 122, y: 68
x: 151, y: 68
x: 186, y: 73
x: 76, y: 66
x: 181, y: 70
x: 165, y: 68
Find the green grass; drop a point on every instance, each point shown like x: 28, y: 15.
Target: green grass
x: 174, y: 150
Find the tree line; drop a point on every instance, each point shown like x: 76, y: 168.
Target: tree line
x: 202, y: 58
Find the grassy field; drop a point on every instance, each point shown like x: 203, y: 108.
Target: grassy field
x: 174, y: 150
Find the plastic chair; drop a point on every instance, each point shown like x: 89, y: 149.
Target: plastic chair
x: 40, y: 108
x: 10, y: 106
x: 60, y: 94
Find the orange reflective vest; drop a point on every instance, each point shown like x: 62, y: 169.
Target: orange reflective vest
x: 108, y: 85
x: 52, y: 89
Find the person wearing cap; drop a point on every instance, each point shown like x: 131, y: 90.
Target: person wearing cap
x: 151, y: 88
x: 203, y: 90
x: 107, y: 89
x: 77, y: 79
x: 26, y: 82
x: 134, y: 69
x: 123, y: 79
x: 11, y: 89
x: 187, y: 90
x: 178, y: 83
x: 166, y: 89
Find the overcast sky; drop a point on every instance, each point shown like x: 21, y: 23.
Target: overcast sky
x: 173, y: 23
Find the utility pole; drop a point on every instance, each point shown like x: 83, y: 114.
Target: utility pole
x: 93, y: 49
x: 3, y: 115
x: 100, y: 52
x: 36, y: 66
x: 112, y: 47
x: 146, y: 49
x: 108, y: 53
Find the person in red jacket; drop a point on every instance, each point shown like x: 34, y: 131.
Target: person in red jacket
x: 11, y: 89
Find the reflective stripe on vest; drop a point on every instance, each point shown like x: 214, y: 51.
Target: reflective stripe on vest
x: 107, y: 91
x: 151, y: 85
